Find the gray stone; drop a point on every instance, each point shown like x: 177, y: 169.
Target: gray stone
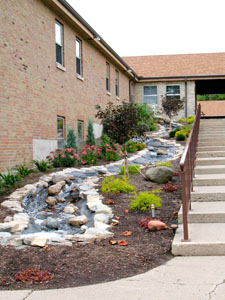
x: 69, y: 210
x: 162, y: 151
x: 21, y: 217
x: 159, y: 174
x: 13, y: 205
x: 55, y: 189
x: 8, y: 219
x: 52, y: 223
x: 15, y: 241
x: 58, y: 177
x: 51, y: 201
x: 101, y: 218
x: 9, y: 226
x: 103, y: 234
x: 60, y: 199
x: 78, y: 221
x: 4, y: 238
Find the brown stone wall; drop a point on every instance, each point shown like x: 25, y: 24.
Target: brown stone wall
x: 33, y: 91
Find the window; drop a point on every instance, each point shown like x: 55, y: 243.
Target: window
x: 78, y: 56
x: 60, y: 131
x: 173, y: 92
x: 59, y: 42
x: 117, y: 83
x: 150, y: 95
x: 107, y: 77
x: 80, y: 130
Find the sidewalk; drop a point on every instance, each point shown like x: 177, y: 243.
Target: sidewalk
x: 182, y: 278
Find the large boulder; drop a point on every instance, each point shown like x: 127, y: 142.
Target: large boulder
x: 159, y: 174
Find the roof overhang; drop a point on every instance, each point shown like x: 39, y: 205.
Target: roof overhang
x: 181, y: 78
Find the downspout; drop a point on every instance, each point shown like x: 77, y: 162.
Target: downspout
x: 186, y: 106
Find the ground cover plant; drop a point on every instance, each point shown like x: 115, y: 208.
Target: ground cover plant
x: 132, y: 170
x: 164, y: 164
x: 116, y: 185
x: 23, y: 170
x: 144, y: 200
x: 42, y: 165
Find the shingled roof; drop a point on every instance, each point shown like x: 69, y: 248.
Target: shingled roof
x: 178, y: 65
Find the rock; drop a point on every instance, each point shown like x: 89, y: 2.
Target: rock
x: 78, y: 221
x: 58, y: 178
x: 100, y: 208
x: 162, y: 151
x: 46, y: 178
x: 51, y: 201
x: 52, y: 223
x: 75, y: 194
x: 103, y: 234
x: 39, y: 241
x: 13, y: 205
x: 80, y: 237
x: 15, y: 241
x: 42, y: 183
x: 9, y: 226
x: 8, y: 219
x: 101, y: 226
x: 69, y: 210
x: 71, y: 178
x: 159, y: 174
x: 55, y: 189
x: 19, y: 194
x: 60, y: 199
x: 84, y: 227
x: 101, y: 218
x: 156, y: 225
x: 22, y: 217
x: 4, y: 238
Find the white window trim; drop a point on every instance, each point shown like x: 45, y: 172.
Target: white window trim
x: 80, y: 77
x: 151, y: 95
x: 61, y: 67
x: 174, y: 94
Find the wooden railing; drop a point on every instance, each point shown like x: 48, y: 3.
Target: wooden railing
x: 187, y: 164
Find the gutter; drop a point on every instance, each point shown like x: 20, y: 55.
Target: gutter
x: 96, y: 35
x: 181, y: 77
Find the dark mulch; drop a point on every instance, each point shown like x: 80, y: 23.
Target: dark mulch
x: 96, y: 262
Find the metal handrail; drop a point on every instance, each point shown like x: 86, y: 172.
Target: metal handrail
x: 187, y: 164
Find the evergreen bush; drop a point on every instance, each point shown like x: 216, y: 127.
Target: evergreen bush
x: 71, y: 141
x: 90, y: 135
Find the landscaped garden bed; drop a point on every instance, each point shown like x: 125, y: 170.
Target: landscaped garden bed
x: 100, y: 261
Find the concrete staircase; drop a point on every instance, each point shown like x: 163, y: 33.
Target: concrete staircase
x: 207, y: 217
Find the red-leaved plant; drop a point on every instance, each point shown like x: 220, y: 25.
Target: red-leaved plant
x: 33, y: 275
x: 169, y: 187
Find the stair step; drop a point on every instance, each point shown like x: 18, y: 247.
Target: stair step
x: 208, y: 193
x: 205, y: 212
x: 212, y: 161
x: 210, y: 148
x: 209, y: 179
x: 205, y: 239
x: 217, y: 169
x: 210, y: 139
x: 211, y: 154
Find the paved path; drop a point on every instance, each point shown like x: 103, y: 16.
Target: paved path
x: 182, y: 278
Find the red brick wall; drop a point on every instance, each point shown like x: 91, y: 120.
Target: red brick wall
x: 33, y: 91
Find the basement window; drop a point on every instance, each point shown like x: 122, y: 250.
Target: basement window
x: 59, y: 42
x: 173, y: 92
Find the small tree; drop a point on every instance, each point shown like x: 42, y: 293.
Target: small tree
x: 71, y: 140
x: 121, y: 123
x: 171, y: 106
x: 90, y: 135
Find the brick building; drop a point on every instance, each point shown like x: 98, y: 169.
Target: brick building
x: 54, y: 69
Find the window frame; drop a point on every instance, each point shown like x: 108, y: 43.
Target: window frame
x: 153, y: 95
x: 107, y: 77
x: 79, y: 58
x: 169, y: 96
x: 62, y: 42
x: 117, y: 83
x: 80, y: 139
x: 63, y: 132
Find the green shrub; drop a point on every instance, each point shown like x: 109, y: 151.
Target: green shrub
x: 146, y: 117
x: 111, y: 153
x: 173, y: 132
x: 42, y: 165
x: 90, y: 140
x: 164, y: 164
x: 140, y: 146
x: 144, y: 200
x: 132, y: 170
x: 115, y: 186
x: 89, y: 155
x: 180, y: 135
x: 182, y: 120
x: 105, y: 140
x: 186, y: 128
x: 23, y: 170
x: 190, y: 120
x: 2, y: 188
x: 71, y: 141
x: 66, y: 157
x: 10, y: 179
x: 131, y: 146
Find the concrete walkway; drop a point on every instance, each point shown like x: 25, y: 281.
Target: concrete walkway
x: 182, y: 278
